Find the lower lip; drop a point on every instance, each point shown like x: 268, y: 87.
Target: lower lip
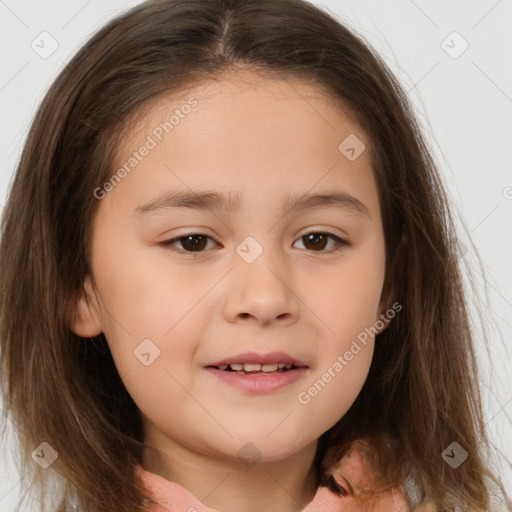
x: 259, y: 383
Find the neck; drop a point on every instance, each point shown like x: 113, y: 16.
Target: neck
x: 227, y: 485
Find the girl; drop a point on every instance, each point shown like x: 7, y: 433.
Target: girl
x: 229, y: 280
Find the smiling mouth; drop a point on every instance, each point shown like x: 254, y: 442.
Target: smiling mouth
x: 256, y: 369
x: 255, y: 378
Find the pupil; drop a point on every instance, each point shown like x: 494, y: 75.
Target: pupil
x: 196, y: 245
x: 314, y: 238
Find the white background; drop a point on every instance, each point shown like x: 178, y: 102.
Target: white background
x: 464, y: 102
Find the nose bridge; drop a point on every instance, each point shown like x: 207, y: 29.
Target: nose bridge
x: 261, y: 289
x: 261, y: 263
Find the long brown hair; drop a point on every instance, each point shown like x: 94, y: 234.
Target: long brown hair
x: 422, y: 391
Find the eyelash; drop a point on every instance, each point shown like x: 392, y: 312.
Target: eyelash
x: 168, y: 243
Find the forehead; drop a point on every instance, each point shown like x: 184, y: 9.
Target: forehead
x: 248, y: 135
x: 241, y: 94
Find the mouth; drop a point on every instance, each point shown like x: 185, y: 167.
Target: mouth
x: 256, y: 373
x: 257, y: 378
x: 256, y: 368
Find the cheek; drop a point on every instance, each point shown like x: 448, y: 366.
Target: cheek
x: 347, y: 298
x: 337, y: 380
x: 156, y: 369
x: 142, y: 292
x: 149, y: 317
x: 347, y: 303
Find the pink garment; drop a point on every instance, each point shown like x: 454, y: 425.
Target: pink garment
x: 173, y: 497
x: 353, y: 473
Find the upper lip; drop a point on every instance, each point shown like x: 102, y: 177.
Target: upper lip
x: 254, y: 357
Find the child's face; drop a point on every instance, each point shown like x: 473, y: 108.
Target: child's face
x: 262, y: 141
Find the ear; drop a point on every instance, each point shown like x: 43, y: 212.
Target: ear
x: 85, y: 313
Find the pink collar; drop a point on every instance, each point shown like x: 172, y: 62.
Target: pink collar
x: 173, y: 497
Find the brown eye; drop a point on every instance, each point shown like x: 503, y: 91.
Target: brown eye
x: 193, y: 244
x: 317, y: 241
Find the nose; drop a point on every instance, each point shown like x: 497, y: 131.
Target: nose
x: 262, y: 292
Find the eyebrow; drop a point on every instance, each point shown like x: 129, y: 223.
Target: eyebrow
x: 231, y: 202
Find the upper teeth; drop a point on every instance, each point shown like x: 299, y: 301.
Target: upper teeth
x: 256, y: 367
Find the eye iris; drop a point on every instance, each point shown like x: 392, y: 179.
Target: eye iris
x: 315, y: 241
x: 198, y: 245
x: 313, y: 237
